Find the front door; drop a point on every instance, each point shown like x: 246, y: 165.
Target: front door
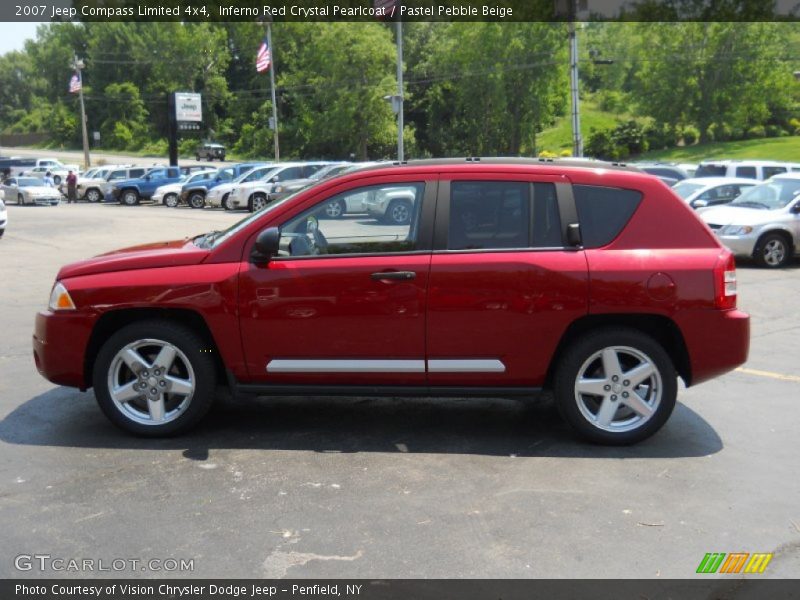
x: 344, y: 302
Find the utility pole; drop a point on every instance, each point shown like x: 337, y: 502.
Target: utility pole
x: 400, y: 152
x: 272, y: 87
x: 577, y: 140
x: 78, y: 65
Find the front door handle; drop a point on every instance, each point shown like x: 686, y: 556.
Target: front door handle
x: 394, y: 275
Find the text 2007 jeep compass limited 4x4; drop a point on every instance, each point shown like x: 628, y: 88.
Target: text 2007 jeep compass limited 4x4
x: 509, y: 276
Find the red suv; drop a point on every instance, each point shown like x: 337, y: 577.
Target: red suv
x: 508, y: 277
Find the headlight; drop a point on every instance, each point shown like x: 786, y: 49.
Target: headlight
x: 278, y: 189
x: 60, y: 298
x: 736, y: 230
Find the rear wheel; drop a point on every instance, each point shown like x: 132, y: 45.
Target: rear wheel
x: 197, y: 200
x: 171, y: 200
x: 616, y: 386
x: 335, y: 209
x: 154, y: 378
x: 129, y: 197
x: 93, y: 195
x: 773, y: 251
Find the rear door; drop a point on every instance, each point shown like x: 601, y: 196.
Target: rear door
x: 503, y: 285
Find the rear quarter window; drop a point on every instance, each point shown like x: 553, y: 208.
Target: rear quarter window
x: 603, y: 212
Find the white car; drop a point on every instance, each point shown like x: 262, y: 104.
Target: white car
x: 91, y: 187
x: 3, y: 215
x: 762, y: 223
x: 711, y: 191
x: 255, y: 195
x: 220, y: 195
x: 58, y: 174
x: 168, y: 193
x: 29, y: 190
x: 748, y: 169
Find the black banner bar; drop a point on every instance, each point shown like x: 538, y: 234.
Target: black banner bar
x: 704, y: 587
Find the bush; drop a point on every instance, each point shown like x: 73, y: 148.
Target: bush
x: 156, y: 148
x: 659, y: 137
x: 188, y: 147
x: 773, y: 130
x: 565, y: 153
x: 690, y: 136
x: 794, y: 124
x: 756, y: 132
x: 547, y: 154
x: 611, y: 101
x: 720, y: 132
x: 121, y: 137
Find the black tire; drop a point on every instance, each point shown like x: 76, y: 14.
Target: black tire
x: 129, y: 197
x: 57, y: 179
x: 93, y: 195
x: 773, y: 251
x: 186, y: 341
x: 20, y: 200
x: 399, y: 212
x: 171, y: 200
x: 197, y: 158
x: 622, y: 429
x: 197, y: 200
x: 257, y: 202
x: 226, y: 202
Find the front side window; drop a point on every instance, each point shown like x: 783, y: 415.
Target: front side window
x: 365, y: 226
x: 117, y: 175
x: 136, y: 173
x: 770, y: 171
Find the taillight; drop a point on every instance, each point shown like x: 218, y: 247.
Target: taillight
x: 725, y: 281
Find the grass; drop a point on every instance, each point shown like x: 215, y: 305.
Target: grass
x: 783, y: 148
x: 559, y: 137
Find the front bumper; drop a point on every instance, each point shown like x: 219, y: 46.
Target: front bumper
x: 46, y: 200
x: 740, y: 245
x: 60, y: 340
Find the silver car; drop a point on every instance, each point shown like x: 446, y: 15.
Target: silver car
x: 762, y: 223
x: 29, y: 190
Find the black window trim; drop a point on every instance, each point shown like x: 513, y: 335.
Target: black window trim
x: 425, y: 228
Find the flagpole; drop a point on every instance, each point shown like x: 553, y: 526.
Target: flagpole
x: 272, y: 89
x: 79, y: 67
x: 400, y: 153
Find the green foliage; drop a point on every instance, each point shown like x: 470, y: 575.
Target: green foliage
x: 622, y: 141
x: 690, y: 135
x: 756, y: 132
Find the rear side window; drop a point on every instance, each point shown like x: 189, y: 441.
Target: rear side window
x: 603, y: 212
x: 496, y: 215
x: 770, y: 171
x: 135, y: 173
x: 748, y: 172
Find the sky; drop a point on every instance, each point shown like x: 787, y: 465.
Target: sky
x: 13, y: 35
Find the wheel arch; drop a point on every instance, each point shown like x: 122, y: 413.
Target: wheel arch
x: 112, y: 321
x: 779, y: 230
x: 663, y: 329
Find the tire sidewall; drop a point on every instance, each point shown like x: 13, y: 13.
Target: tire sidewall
x: 392, y: 205
x: 189, y: 343
x: 574, y: 358
x: 759, y: 253
x: 171, y: 200
x: 193, y: 200
x: 130, y: 198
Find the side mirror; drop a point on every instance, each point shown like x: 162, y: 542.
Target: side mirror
x: 266, y: 245
x: 275, y: 178
x: 574, y: 234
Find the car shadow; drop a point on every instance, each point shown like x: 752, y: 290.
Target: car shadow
x: 63, y: 417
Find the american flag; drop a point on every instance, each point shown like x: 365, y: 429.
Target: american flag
x: 75, y: 83
x: 264, y: 56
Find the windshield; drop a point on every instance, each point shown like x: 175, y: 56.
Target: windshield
x: 771, y: 195
x: 328, y: 171
x: 28, y: 181
x: 199, y: 177
x: 252, y: 174
x: 684, y: 190
x: 215, y: 238
x: 89, y: 174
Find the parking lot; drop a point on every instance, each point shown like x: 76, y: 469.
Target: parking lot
x: 389, y: 488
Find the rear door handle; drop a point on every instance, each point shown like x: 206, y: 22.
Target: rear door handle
x: 394, y: 275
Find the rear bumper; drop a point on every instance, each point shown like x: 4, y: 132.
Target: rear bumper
x: 717, y: 341
x: 59, y: 346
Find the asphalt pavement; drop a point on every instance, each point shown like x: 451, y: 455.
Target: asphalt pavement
x: 385, y: 488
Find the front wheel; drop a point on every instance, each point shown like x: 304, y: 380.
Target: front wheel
x: 772, y: 251
x: 130, y: 198
x: 399, y: 212
x: 227, y: 203
x: 20, y: 199
x: 197, y: 200
x: 57, y: 180
x: 257, y: 202
x: 616, y: 386
x: 335, y: 209
x: 171, y: 200
x: 154, y: 378
x: 93, y: 195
